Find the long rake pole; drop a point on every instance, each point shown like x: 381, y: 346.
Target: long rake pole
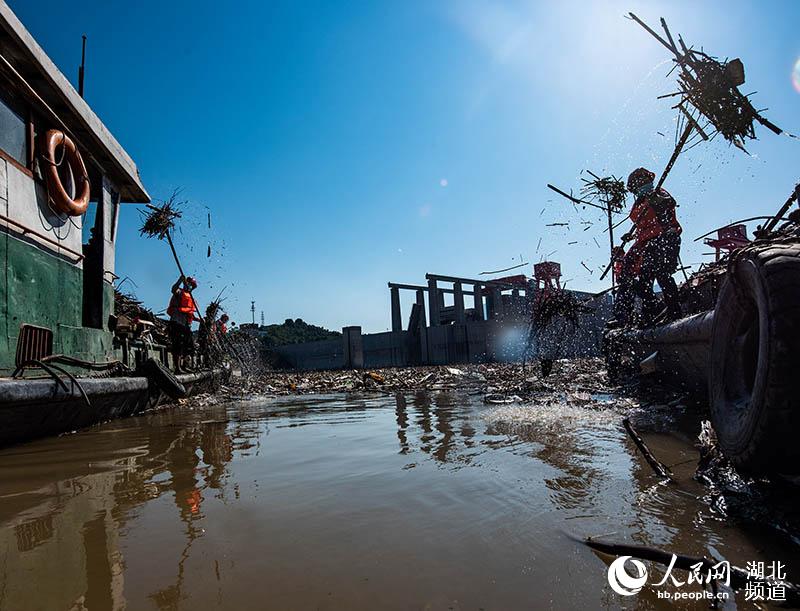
x: 180, y: 269
x: 611, y: 241
x: 784, y: 209
x: 678, y: 148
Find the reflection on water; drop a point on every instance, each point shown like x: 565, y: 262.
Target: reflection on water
x: 417, y: 500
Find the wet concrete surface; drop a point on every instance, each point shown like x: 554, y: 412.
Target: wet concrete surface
x: 421, y: 500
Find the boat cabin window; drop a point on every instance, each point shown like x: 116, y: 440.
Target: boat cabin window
x: 13, y: 130
x: 93, y: 266
x: 89, y: 218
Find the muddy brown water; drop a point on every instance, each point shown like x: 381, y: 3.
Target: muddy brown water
x: 413, y: 501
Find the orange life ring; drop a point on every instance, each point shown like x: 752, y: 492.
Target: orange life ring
x: 55, y: 189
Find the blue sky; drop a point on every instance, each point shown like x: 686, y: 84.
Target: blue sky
x: 341, y: 145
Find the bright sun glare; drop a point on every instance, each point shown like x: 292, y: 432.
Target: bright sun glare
x: 796, y: 75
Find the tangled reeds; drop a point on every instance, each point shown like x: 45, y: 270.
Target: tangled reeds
x: 160, y: 220
x: 128, y: 305
x: 709, y: 92
x: 610, y: 191
x: 213, y: 310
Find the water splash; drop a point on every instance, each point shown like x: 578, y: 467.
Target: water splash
x: 554, y: 416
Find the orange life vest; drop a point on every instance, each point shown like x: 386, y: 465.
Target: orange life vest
x: 653, y: 214
x: 183, y: 302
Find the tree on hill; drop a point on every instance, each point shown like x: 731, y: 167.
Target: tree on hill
x: 295, y: 331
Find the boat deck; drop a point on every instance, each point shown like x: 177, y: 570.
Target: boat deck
x: 35, y: 408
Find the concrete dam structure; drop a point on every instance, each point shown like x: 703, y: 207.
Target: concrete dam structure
x: 497, y: 328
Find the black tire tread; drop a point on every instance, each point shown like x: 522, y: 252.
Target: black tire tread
x: 771, y: 444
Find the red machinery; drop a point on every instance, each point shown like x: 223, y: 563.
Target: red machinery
x: 547, y: 276
x: 729, y: 239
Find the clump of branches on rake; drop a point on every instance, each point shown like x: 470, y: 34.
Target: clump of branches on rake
x: 609, y: 191
x: 159, y: 222
x: 710, y: 87
x: 606, y: 193
x: 709, y: 94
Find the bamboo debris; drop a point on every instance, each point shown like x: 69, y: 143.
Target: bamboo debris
x: 572, y: 198
x: 660, y: 468
x: 128, y: 305
x: 160, y: 220
x: 709, y: 90
x: 507, y: 269
x: 606, y: 193
x: 210, y: 342
x: 212, y: 310
x: 608, y: 190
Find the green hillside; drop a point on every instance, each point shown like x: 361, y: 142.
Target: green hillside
x: 295, y: 332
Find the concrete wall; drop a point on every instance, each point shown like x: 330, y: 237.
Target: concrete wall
x: 325, y: 354
x: 378, y: 350
x: 353, y: 347
x: 448, y: 344
x: 385, y: 349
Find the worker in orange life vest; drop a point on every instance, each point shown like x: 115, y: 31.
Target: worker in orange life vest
x: 222, y: 324
x: 657, y: 242
x: 181, y: 311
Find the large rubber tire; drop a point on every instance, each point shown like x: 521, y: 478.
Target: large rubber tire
x: 754, y: 380
x: 164, y: 379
